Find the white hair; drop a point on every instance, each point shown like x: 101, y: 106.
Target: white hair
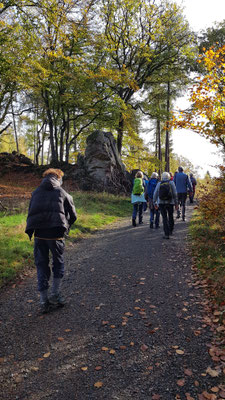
x: 165, y: 176
x: 154, y: 175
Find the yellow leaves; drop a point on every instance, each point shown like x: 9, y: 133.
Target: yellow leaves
x: 84, y: 368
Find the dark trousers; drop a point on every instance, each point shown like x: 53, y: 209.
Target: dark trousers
x: 154, y: 213
x: 167, y: 216
x: 42, y: 248
x: 138, y: 208
x: 182, y: 197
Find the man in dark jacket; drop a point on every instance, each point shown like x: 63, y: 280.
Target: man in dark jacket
x: 182, y: 183
x: 50, y: 216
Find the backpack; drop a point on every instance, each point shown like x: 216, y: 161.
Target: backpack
x: 138, y: 187
x: 165, y: 191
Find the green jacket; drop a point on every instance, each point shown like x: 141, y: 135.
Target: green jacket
x: 138, y: 187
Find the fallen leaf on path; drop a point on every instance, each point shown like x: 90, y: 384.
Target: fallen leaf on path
x: 105, y: 348
x: 34, y: 369
x: 112, y: 326
x: 112, y: 351
x: 98, y: 384
x: 60, y: 339
x: 212, y: 372
x: 181, y: 382
x: 189, y: 397
x: 222, y: 394
x: 214, y: 389
x: 209, y: 396
x: 156, y: 397
x: 144, y: 347
x: 179, y: 351
x: 46, y: 355
x: 84, y: 368
x: 188, y: 372
x: 131, y: 343
x: 67, y: 330
x: 98, y: 368
x: 105, y: 322
x: 123, y: 347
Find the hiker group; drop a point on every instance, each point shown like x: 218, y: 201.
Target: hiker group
x: 162, y: 196
x: 52, y: 212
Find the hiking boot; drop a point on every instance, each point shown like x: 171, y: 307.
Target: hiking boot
x: 151, y: 225
x: 157, y: 226
x: 183, y: 218
x: 134, y: 222
x: 57, y: 300
x: 141, y: 222
x: 178, y: 214
x: 45, y: 307
x: 166, y: 237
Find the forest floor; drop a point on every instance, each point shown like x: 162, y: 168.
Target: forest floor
x: 137, y: 324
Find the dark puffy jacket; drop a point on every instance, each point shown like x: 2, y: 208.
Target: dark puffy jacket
x: 50, y: 207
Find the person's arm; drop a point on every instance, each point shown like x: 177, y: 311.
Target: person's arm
x: 70, y: 210
x: 156, y: 194
x: 189, y: 184
x: 174, y: 193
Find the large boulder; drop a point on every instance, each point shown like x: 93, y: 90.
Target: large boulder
x: 101, y: 168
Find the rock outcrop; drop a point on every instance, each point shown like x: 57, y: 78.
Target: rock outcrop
x: 101, y: 167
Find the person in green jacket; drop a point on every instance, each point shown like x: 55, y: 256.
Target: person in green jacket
x: 138, y: 198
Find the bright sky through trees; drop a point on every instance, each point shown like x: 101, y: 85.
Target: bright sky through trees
x: 201, y: 14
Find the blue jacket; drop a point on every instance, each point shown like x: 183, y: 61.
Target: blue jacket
x: 151, y: 187
x: 182, y: 182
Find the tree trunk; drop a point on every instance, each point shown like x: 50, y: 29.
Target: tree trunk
x: 15, y: 129
x: 120, y: 134
x: 159, y: 154
x: 52, y: 131
x: 167, y: 149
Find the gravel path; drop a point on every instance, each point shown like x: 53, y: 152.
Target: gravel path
x: 133, y: 325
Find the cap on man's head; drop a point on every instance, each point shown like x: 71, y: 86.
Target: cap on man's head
x: 180, y: 169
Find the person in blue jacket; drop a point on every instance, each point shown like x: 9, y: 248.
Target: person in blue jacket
x: 154, y: 213
x: 183, y: 184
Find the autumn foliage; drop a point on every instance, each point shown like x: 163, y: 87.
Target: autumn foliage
x: 207, y: 114
x: 208, y: 232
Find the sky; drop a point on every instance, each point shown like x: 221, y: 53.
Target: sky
x: 200, y: 14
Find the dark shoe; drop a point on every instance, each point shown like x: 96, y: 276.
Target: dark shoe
x: 183, y: 218
x: 171, y: 232
x: 157, y: 226
x: 57, y: 300
x: 134, y: 222
x: 166, y: 237
x: 151, y: 225
x: 141, y: 222
x: 178, y: 215
x: 45, y: 307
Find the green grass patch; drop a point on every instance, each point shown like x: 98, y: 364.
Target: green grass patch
x: 209, y: 253
x: 94, y: 211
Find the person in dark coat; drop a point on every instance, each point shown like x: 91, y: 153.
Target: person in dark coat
x: 183, y: 184
x: 50, y: 216
x: 194, y: 183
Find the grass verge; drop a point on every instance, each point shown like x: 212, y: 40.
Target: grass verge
x: 94, y: 211
x: 209, y: 254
